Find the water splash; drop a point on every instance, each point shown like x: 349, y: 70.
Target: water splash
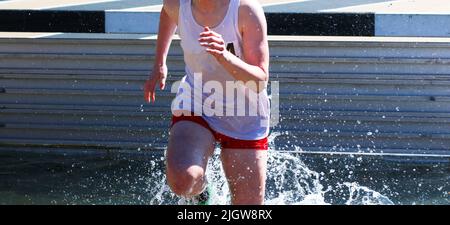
x: 289, y: 182
x: 360, y: 195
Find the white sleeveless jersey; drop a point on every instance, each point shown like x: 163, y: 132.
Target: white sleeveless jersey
x: 197, y: 60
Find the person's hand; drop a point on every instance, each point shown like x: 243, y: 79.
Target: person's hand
x: 214, y: 43
x: 157, y: 76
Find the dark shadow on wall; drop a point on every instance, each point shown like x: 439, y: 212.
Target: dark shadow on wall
x: 322, y: 24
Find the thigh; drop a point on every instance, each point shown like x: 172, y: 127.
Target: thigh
x: 190, y: 146
x: 245, y: 170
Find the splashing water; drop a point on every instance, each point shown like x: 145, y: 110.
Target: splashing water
x: 289, y: 181
x: 292, y: 178
x: 360, y: 195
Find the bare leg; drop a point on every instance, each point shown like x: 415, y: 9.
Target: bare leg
x: 190, y: 147
x: 246, y: 174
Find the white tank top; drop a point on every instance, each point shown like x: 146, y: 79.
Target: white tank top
x: 197, y: 60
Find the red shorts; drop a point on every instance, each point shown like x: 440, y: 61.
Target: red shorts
x: 225, y: 141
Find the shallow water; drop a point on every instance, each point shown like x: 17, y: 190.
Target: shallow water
x: 138, y: 178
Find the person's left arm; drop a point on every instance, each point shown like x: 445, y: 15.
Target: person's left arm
x: 255, y: 63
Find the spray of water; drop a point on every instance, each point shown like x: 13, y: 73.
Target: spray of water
x: 289, y: 181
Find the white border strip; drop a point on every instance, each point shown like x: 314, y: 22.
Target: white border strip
x: 131, y: 22
x: 412, y: 25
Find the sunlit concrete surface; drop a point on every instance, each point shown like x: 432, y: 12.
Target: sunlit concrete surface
x: 50, y: 4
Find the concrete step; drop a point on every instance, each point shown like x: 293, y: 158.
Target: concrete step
x: 368, y: 122
x: 329, y: 84
x: 407, y: 47
x: 301, y: 100
x: 289, y: 140
x: 278, y: 63
x: 296, y: 54
x: 367, y: 94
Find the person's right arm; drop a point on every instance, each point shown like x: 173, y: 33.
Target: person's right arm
x: 167, y: 27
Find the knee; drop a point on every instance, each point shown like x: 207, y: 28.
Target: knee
x: 183, y: 181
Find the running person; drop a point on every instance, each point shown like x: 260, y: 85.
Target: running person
x: 224, y: 40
